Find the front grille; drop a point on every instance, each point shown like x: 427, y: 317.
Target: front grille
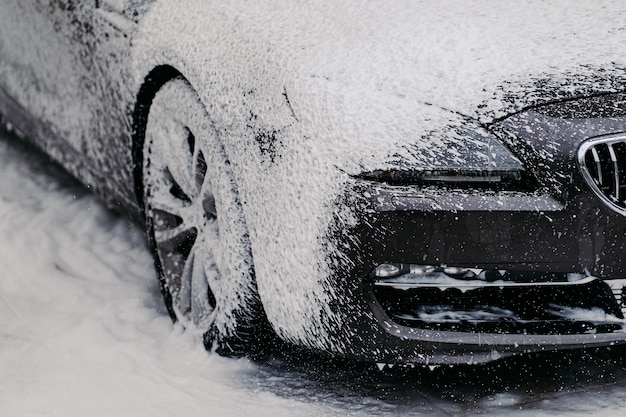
x: 602, y: 162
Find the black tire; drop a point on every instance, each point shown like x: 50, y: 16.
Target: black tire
x: 196, y: 226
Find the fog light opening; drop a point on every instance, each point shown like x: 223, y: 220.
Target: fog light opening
x: 390, y: 270
x: 467, y: 299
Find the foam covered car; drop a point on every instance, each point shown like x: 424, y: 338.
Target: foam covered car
x: 406, y: 182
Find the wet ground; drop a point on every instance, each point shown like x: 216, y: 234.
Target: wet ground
x: 83, y: 332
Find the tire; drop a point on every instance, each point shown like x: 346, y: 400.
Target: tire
x: 195, y: 224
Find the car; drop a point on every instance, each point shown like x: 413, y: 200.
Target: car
x: 402, y: 183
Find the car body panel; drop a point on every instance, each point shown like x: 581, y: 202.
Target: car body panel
x: 307, y: 96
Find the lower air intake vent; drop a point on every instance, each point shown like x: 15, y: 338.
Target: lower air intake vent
x: 603, y: 165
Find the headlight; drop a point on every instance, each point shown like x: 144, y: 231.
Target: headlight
x: 473, y: 157
x: 450, y: 175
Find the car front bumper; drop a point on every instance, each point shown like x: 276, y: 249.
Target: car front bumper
x: 517, y: 233
x: 559, y: 240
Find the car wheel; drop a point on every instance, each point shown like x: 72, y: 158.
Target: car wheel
x: 195, y: 223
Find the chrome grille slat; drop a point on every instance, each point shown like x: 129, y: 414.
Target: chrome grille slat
x: 620, y: 152
x: 598, y: 166
x: 602, y: 162
x: 614, y: 163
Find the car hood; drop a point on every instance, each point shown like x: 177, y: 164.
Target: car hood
x: 400, y: 81
x: 482, y: 59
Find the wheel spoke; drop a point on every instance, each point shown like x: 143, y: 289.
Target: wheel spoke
x: 200, y: 300
x: 175, y: 190
x: 182, y: 235
x: 184, y: 294
x: 172, y: 206
x: 192, y: 299
x: 180, y: 161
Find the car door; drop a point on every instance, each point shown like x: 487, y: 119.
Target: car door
x: 45, y: 47
x: 64, y: 65
x: 115, y: 23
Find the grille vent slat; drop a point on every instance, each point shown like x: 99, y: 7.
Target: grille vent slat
x: 620, y: 153
x: 603, y: 165
x: 615, y: 167
x: 597, y: 166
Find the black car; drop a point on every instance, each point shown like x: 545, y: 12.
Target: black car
x: 400, y: 183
